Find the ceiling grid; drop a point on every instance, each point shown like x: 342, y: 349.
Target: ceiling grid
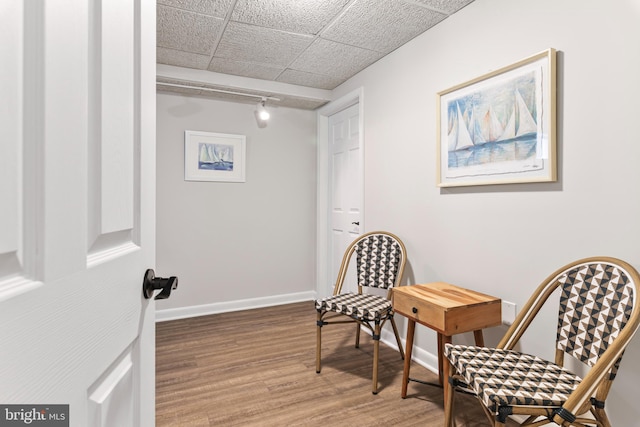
x: 311, y: 43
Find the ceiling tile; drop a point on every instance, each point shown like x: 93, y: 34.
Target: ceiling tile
x: 334, y: 59
x: 182, y: 59
x: 248, y: 43
x: 446, y: 6
x: 218, y: 8
x: 188, y: 31
x: 298, y: 16
x: 304, y: 78
x: 247, y: 69
x: 381, y: 25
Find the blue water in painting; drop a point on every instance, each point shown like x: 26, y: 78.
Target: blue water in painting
x: 494, y: 152
x: 218, y: 166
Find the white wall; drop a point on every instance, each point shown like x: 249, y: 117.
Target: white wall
x: 503, y: 240
x: 236, y: 245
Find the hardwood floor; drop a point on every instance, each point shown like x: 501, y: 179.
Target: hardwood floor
x: 257, y: 368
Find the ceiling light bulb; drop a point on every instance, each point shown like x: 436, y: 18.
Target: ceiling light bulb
x: 262, y: 112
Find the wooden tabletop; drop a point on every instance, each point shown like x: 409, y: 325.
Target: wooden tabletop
x: 447, y: 308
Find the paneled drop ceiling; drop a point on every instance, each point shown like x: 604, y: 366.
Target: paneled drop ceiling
x: 314, y: 44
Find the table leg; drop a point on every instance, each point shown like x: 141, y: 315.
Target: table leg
x: 443, y: 366
x: 479, y: 338
x: 411, y: 327
x: 442, y: 340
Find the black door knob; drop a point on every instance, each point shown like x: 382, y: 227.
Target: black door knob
x: 152, y: 283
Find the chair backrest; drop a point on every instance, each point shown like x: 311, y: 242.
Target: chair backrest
x: 380, y: 260
x: 596, y: 301
x: 598, y: 316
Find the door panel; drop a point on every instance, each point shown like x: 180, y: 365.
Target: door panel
x: 112, y: 112
x: 10, y: 125
x: 78, y: 231
x: 10, y: 72
x: 346, y: 186
x: 111, y: 398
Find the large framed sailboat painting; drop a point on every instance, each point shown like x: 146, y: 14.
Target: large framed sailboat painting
x: 214, y: 156
x: 500, y: 128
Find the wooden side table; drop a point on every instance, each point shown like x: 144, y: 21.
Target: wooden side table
x: 447, y: 309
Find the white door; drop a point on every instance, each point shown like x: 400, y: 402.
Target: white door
x: 345, y: 187
x: 77, y: 159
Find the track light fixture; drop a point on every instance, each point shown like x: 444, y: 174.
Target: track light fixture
x: 263, y: 114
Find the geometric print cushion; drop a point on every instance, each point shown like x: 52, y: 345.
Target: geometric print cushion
x: 595, y: 303
x: 360, y: 306
x: 509, y: 378
x: 378, y: 258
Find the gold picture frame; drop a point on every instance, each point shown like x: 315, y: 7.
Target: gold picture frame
x: 500, y: 128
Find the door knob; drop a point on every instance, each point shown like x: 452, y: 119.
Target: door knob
x: 152, y: 283
x: 356, y: 222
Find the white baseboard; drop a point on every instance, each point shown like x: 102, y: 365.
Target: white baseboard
x: 223, y: 307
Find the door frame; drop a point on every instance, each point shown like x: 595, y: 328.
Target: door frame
x: 324, y: 283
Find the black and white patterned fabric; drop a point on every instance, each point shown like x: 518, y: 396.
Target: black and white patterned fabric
x: 595, y: 304
x: 360, y: 306
x: 508, y: 378
x: 378, y: 257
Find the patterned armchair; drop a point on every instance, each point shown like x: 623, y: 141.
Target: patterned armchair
x: 380, y: 260
x: 598, y: 316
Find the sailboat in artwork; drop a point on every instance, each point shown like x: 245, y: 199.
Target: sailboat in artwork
x: 526, y: 124
x: 212, y: 158
x: 205, y: 155
x: 459, y: 137
x: 475, y: 130
x: 491, y: 126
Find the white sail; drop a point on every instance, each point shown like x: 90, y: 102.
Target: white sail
x: 204, y: 154
x: 453, y: 134
x: 463, y: 138
x: 510, y: 128
x: 212, y: 153
x: 491, y: 127
x: 526, y: 123
x: 476, y: 131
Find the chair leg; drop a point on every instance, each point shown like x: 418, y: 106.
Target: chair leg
x: 601, y: 416
x: 357, y: 335
x: 318, y: 341
x: 376, y: 351
x: 448, y: 399
x: 395, y: 332
x: 601, y: 395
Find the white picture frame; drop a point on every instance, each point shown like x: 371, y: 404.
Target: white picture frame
x: 210, y: 156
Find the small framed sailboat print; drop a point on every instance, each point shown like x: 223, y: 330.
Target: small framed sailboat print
x: 214, y: 156
x: 500, y: 128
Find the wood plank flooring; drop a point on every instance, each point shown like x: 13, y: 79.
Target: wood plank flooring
x: 257, y: 368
